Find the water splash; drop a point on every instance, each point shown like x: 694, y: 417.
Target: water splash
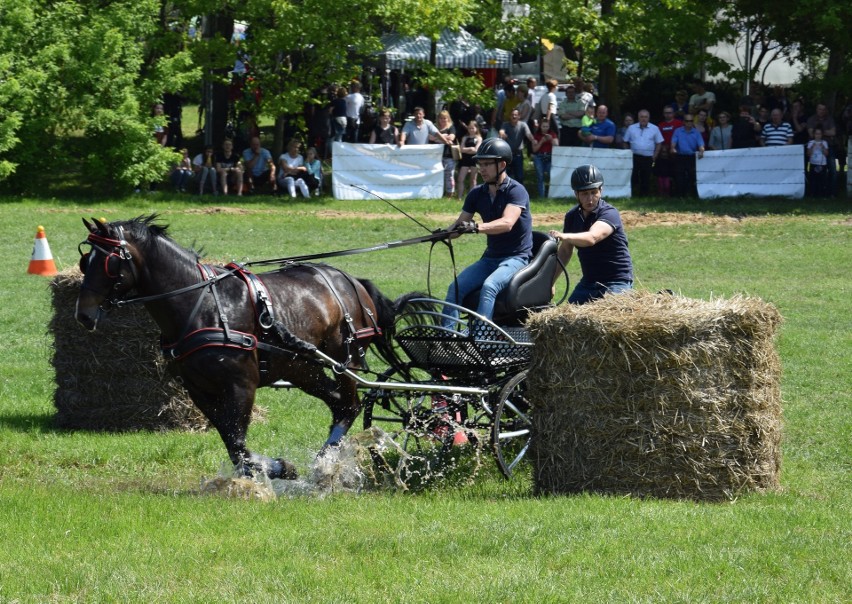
x: 368, y: 460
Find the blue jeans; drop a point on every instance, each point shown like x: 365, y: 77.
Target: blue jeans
x: 492, y: 275
x: 542, y: 169
x: 586, y: 291
x: 516, y: 168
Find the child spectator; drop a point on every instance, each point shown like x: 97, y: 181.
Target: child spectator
x: 587, y: 121
x: 817, y: 150
x: 313, y: 171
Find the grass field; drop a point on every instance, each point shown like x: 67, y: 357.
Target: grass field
x: 95, y: 517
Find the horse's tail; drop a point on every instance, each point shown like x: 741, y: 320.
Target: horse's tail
x: 386, y: 311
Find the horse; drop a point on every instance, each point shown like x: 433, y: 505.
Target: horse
x: 231, y: 331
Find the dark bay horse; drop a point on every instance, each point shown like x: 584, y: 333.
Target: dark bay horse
x: 231, y: 331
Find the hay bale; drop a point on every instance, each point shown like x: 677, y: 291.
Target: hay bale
x: 113, y: 378
x: 656, y: 395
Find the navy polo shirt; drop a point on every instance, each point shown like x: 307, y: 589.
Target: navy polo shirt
x: 608, y: 260
x: 518, y: 241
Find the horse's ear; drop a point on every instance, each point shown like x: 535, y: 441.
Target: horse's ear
x: 100, y: 224
x: 89, y: 226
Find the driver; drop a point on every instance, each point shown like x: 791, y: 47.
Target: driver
x: 594, y: 227
x: 503, y: 204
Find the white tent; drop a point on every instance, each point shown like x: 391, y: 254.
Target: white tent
x: 455, y: 49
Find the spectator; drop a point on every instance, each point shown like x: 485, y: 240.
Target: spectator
x: 313, y: 171
x: 228, y: 168
x: 587, y: 97
x: 509, y: 103
x: 446, y: 136
x: 542, y: 148
x: 744, y: 130
x: 664, y: 171
x: 818, y: 156
x: 799, y: 122
x: 701, y: 99
x: 586, y: 123
x: 644, y: 139
x: 183, y: 171
x: 822, y: 119
x: 354, y: 106
x: 602, y: 132
x: 204, y: 167
x: 762, y: 118
x: 703, y: 125
x: 720, y: 135
x: 571, y: 110
x: 627, y: 121
x: 664, y: 167
x: 595, y: 228
x: 161, y: 131
x: 547, y: 106
x: 524, y: 106
x: 776, y: 132
x: 500, y: 97
x: 338, y: 115
x: 680, y: 105
x: 384, y: 132
x: 469, y: 146
x: 531, y: 84
x: 515, y: 132
x: 259, y: 166
x: 292, y: 170
x: 418, y: 130
x: 504, y: 207
x: 687, y: 145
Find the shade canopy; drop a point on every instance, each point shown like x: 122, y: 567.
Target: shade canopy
x: 456, y: 49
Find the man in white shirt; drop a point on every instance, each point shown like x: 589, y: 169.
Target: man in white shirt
x: 645, y: 140
x: 354, y: 105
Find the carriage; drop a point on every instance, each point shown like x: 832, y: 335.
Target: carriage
x: 451, y: 378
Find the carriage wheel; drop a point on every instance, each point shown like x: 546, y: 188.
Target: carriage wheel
x: 510, y: 434
x: 418, y: 441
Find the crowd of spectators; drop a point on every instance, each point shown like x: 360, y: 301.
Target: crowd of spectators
x: 665, y: 141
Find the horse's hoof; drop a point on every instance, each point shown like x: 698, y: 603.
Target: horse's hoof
x: 283, y: 469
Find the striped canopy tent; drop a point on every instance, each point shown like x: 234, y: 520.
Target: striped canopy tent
x: 455, y: 49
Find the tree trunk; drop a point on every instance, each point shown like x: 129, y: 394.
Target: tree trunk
x: 609, y: 68
x: 218, y: 24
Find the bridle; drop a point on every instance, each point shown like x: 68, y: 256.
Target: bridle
x: 116, y: 253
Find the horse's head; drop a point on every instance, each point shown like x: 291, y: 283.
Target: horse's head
x: 109, y: 270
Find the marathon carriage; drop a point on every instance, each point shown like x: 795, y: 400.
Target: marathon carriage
x: 309, y: 325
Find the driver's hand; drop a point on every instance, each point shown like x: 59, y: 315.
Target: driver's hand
x: 468, y: 226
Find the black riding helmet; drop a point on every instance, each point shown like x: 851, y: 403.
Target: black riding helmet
x: 586, y: 177
x: 494, y: 148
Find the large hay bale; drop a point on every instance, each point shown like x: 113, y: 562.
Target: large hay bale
x: 113, y: 378
x: 656, y: 395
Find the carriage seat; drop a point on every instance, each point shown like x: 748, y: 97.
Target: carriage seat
x: 531, y: 286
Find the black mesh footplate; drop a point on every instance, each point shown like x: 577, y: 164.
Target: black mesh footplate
x: 430, y: 347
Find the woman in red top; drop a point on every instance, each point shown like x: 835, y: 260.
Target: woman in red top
x: 542, y: 146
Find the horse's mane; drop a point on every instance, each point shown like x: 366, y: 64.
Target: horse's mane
x: 145, y: 229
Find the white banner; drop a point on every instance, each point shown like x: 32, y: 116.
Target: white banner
x: 616, y: 165
x: 760, y: 171
x: 410, y: 172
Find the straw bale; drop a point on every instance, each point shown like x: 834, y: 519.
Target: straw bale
x: 657, y: 395
x: 113, y: 378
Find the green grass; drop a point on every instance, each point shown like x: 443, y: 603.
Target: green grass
x: 92, y: 517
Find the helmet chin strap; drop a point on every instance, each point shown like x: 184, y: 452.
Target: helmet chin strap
x: 496, y: 180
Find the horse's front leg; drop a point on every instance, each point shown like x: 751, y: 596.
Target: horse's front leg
x: 340, y: 395
x: 226, y: 397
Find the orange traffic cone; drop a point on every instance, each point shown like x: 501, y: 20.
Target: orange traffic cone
x: 42, y: 260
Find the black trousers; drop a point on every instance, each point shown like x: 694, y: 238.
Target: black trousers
x: 685, y: 175
x: 640, y: 179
